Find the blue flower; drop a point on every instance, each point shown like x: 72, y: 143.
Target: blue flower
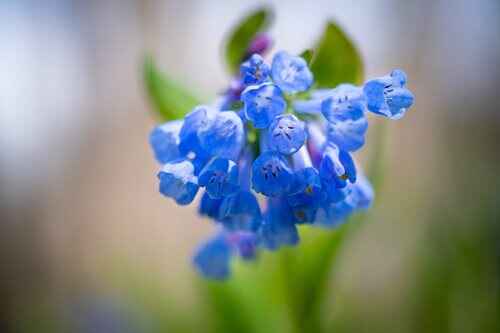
x: 356, y: 196
x: 262, y: 104
x: 344, y: 98
x: 278, y: 227
x: 209, y: 207
x: 305, y: 195
x: 333, y: 214
x: 213, y: 258
x: 177, y: 181
x: 387, y: 95
x: 344, y: 111
x: 348, y: 132
x: 164, y: 141
x: 198, y: 117
x: 331, y: 193
x: 271, y: 174
x: 245, y: 243
x: 304, y: 213
x: 219, y: 177
x: 306, y: 191
x: 254, y: 70
x: 189, y: 144
x: 245, y: 144
x: 337, y: 166
x: 223, y: 135
x: 240, y: 212
x: 286, y: 134
x: 361, y: 193
x: 291, y: 73
x: 306, y: 188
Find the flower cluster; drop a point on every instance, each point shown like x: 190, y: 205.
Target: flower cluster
x: 272, y: 153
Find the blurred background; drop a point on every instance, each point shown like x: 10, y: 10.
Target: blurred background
x: 88, y: 245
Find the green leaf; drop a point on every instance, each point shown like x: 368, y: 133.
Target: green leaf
x: 240, y: 37
x: 307, y: 55
x: 170, y: 100
x: 336, y: 59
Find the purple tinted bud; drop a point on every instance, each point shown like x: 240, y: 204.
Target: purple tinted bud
x: 233, y: 93
x: 260, y: 44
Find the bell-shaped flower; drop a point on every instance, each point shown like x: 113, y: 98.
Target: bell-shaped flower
x: 223, y: 135
x: 291, y: 73
x: 164, y: 141
x: 387, y: 95
x: 212, y: 259
x: 333, y: 214
x: 331, y: 193
x: 189, y: 145
x: 347, y: 123
x: 254, y: 70
x: 356, y: 196
x: 278, y: 227
x: 178, y: 181
x: 306, y: 192
x: 271, y: 174
x: 262, y: 103
x: 286, y: 134
x: 209, y: 207
x: 361, y: 193
x: 240, y: 211
x: 306, y: 189
x: 337, y: 166
x: 219, y: 177
x: 198, y: 117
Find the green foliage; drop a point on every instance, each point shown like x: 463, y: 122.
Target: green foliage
x: 242, y: 34
x: 336, y: 59
x: 307, y: 55
x: 170, y: 100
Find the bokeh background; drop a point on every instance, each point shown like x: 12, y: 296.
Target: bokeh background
x: 88, y: 245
